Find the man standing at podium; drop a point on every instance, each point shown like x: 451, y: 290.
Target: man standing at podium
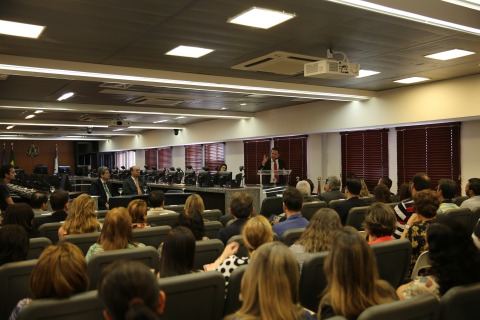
x: 274, y: 164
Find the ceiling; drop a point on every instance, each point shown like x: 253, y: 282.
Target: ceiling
x: 124, y: 42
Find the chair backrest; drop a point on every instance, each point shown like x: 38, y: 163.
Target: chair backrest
x: 152, y: 236
x: 207, y: 251
x: 313, y: 280
x: 83, y: 241
x: 242, y: 250
x: 50, y: 231
x: 15, y: 285
x: 271, y: 206
x: 423, y: 261
x: 356, y: 217
x: 232, y: 299
x: 393, y: 260
x: 167, y: 219
x: 212, y: 214
x: 101, y: 214
x: 206, y: 289
x: 175, y: 207
x: 290, y: 236
x: 99, y: 261
x: 37, y: 245
x: 422, y: 307
x: 333, y: 203
x: 459, y: 200
x: 462, y: 216
x: 225, y: 219
x: 310, y: 208
x: 212, y: 228
x: 474, y: 219
x: 461, y: 302
x: 81, y: 306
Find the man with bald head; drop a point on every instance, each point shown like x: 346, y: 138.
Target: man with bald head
x: 133, y: 184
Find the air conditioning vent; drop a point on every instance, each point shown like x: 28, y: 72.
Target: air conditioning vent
x: 115, y: 85
x: 156, y: 101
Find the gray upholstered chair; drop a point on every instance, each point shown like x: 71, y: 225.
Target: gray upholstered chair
x: 271, y: 206
x: 463, y: 216
x: 37, y: 245
x: 356, y: 217
x: 83, y: 241
x: 313, y: 280
x: 207, y: 251
x: 290, y: 236
x: 50, y: 231
x: 167, y: 219
x: 152, y: 236
x: 212, y: 214
x: 232, y: 299
x: 212, y: 228
x: 310, y: 208
x: 393, y: 260
x: 461, y: 302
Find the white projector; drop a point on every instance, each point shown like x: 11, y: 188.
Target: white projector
x: 331, y: 69
x: 119, y: 123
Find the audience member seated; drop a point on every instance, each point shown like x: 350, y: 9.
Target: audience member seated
x: 382, y: 194
x: 129, y: 290
x: 386, y: 181
x: 256, y: 232
x: 223, y: 167
x: 380, y: 223
x: 59, y: 203
x: 364, y: 192
x: 156, y: 198
x: 61, y: 272
x: 446, y: 190
x: 352, y: 190
x: 241, y: 207
x: 81, y: 217
x: 102, y: 188
x: 269, y: 288
x: 22, y: 215
x: 14, y: 243
x: 404, y: 192
x: 7, y: 174
x: 472, y: 190
x: 455, y: 260
x: 304, y: 187
x: 332, y: 190
x: 292, y: 206
x: 349, y: 292
x: 317, y: 236
x: 133, y: 184
x: 426, y: 205
x: 116, y: 233
x: 177, y: 253
x: 39, y: 202
x: 192, y: 216
x: 138, y: 212
x: 405, y: 209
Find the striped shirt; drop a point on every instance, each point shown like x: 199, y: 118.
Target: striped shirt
x: 403, y: 212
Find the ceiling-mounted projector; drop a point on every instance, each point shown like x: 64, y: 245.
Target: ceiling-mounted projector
x: 119, y: 123
x: 331, y: 69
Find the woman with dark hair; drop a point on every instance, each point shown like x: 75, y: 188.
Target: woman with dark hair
x: 21, y: 214
x: 380, y: 223
x: 116, y: 233
x: 350, y: 292
x: 129, y: 290
x: 425, y: 204
x: 222, y: 167
x: 61, y: 271
x: 177, y: 253
x: 404, y: 192
x: 269, y: 288
x: 382, y: 194
x: 455, y: 260
x: 192, y: 216
x: 14, y: 244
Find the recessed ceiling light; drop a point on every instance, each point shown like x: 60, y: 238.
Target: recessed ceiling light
x: 224, y: 108
x: 411, y: 80
x: 472, y: 4
x: 160, y: 121
x: 181, y: 117
x: 39, y: 111
x: 20, y: 29
x: 366, y: 5
x: 450, y: 54
x: 65, y: 96
x: 243, y: 104
x: 118, y: 130
x: 366, y: 73
x: 190, y: 52
x: 30, y: 116
x: 10, y: 127
x: 261, y: 18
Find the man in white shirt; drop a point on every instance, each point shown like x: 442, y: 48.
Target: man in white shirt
x: 472, y: 190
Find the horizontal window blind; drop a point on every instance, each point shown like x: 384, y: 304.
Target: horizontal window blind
x: 194, y: 156
x: 293, y: 150
x: 164, y: 158
x: 253, y: 151
x: 151, y: 158
x: 214, y: 155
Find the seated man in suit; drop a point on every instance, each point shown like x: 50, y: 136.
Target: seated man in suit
x: 39, y: 202
x: 241, y: 207
x: 102, y: 187
x: 352, y: 190
x: 133, y: 184
x: 292, y: 206
x: 332, y: 190
x: 59, y: 202
x: 273, y: 163
x: 156, y: 199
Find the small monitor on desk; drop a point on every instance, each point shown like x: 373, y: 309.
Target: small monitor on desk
x: 40, y: 169
x: 224, y: 178
x: 81, y: 170
x: 64, y: 169
x: 205, y: 179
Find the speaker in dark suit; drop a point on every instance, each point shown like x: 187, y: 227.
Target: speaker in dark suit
x: 129, y: 184
x: 269, y: 164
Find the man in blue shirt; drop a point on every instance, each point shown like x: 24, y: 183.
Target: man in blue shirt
x: 292, y: 205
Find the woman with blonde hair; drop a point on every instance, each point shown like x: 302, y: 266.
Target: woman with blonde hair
x: 348, y: 291
x: 318, y: 235
x: 269, y: 288
x: 61, y: 271
x: 192, y: 216
x: 256, y: 232
x: 81, y: 217
x: 138, y: 212
x: 364, y: 192
x: 116, y: 233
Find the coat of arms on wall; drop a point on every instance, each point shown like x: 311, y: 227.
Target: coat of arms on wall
x: 33, y: 150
